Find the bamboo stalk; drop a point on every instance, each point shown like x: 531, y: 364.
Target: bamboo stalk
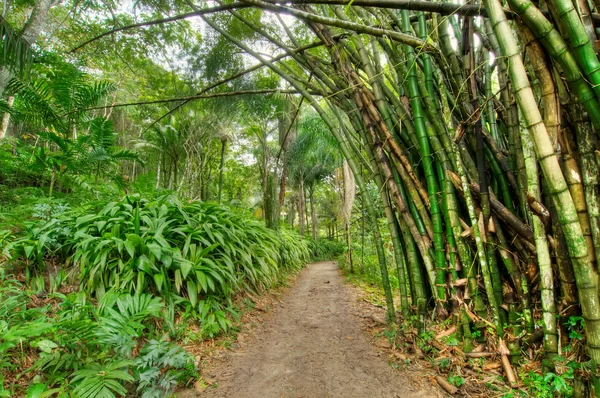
x: 557, y: 186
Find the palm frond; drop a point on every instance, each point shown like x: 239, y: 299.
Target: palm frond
x: 4, y: 108
x: 15, y: 52
x: 102, y: 133
x: 33, y: 103
x: 126, y: 154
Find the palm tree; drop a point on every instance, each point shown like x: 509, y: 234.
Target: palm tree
x: 95, y: 153
x: 310, y: 159
x: 58, y: 100
x: 99, y: 151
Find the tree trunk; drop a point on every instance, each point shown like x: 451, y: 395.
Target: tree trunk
x: 33, y: 27
x: 301, y: 207
x: 52, y: 180
x: 158, y: 168
x: 221, y: 168
x: 349, y: 193
x: 313, y: 214
x: 6, y: 118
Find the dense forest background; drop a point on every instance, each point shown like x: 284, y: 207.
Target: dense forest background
x: 159, y: 158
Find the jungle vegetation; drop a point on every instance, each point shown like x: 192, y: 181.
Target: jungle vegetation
x: 163, y: 157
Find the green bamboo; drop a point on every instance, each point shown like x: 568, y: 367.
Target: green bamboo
x: 414, y: 270
x: 579, y: 41
x: 519, y: 280
x: 393, y: 226
x: 464, y: 252
x: 558, y: 189
x: 490, y: 112
x: 558, y: 49
x: 587, y: 142
x: 427, y: 162
x: 543, y: 254
x: 573, y: 177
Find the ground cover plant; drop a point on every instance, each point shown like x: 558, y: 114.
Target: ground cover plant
x: 136, y: 272
x: 449, y: 150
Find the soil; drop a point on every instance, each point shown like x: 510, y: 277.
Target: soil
x: 311, y: 345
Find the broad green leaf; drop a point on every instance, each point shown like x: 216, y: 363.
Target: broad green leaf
x: 192, y: 290
x: 186, y: 267
x: 46, y: 346
x: 159, y: 280
x: 36, y: 390
x: 135, y: 239
x: 130, y: 247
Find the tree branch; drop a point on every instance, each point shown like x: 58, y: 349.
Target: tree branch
x: 412, y: 5
x: 349, y: 25
x: 174, y: 18
x: 415, y: 5
x: 190, y: 98
x: 240, y: 74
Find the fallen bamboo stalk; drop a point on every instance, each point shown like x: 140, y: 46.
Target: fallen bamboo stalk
x: 446, y: 333
x: 449, y: 388
x: 510, y: 373
x: 479, y: 354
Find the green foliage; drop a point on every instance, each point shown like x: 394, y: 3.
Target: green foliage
x: 102, y: 380
x: 15, y: 170
x: 575, y: 325
x: 549, y: 385
x: 15, y: 52
x: 154, y: 358
x: 92, y: 154
x: 314, y: 154
x: 91, y: 351
x: 327, y: 249
x: 456, y: 380
x: 58, y: 97
x: 195, y: 255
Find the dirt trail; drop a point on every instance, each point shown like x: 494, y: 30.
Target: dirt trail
x: 311, y: 347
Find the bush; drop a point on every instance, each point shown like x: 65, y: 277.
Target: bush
x: 86, y: 350
x: 192, y: 254
x: 327, y: 249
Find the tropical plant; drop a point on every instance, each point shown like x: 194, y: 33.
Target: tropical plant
x: 163, y: 246
x: 90, y: 351
x: 58, y: 99
x: 15, y: 51
x: 311, y: 157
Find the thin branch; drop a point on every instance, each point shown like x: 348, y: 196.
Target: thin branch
x: 190, y: 98
x: 344, y: 24
x: 174, y: 18
x: 240, y: 74
x: 417, y: 5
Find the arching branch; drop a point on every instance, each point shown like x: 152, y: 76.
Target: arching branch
x: 192, y: 98
x: 174, y: 18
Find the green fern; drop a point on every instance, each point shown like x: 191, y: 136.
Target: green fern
x: 102, y: 380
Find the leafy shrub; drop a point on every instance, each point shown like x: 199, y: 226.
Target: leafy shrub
x: 15, y: 170
x: 294, y: 250
x: 193, y: 254
x: 327, y: 249
x: 107, y: 350
x: 160, y: 367
x: 549, y: 384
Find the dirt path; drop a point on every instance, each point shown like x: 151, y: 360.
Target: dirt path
x: 311, y: 347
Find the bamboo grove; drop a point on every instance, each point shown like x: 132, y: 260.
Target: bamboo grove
x: 478, y: 123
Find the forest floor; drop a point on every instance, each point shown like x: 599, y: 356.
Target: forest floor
x: 311, y: 345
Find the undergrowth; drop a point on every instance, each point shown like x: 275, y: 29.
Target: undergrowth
x: 93, y: 298
x: 474, y: 376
